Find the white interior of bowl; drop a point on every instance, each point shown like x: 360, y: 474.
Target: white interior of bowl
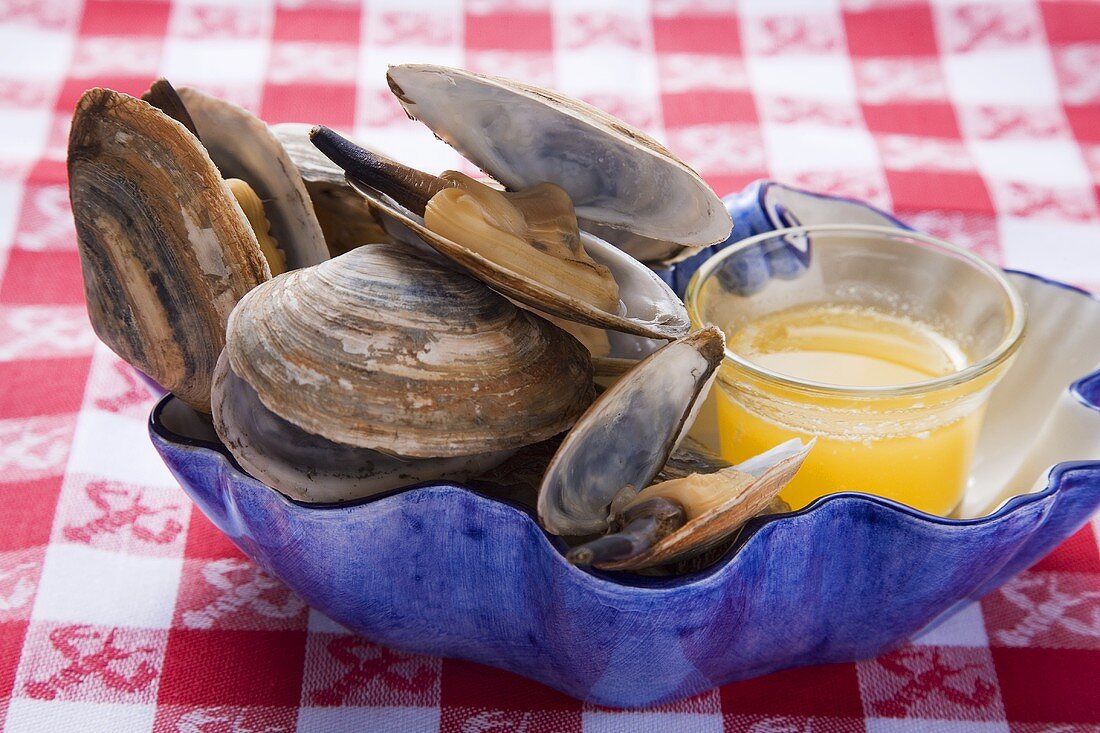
x: 1033, y: 421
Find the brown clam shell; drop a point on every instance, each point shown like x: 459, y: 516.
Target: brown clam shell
x: 165, y: 250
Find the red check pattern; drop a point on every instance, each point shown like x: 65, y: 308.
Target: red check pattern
x: 122, y: 609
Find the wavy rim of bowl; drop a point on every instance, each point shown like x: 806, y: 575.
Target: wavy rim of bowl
x: 1085, y: 390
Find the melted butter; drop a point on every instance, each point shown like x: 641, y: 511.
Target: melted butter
x: 847, y: 346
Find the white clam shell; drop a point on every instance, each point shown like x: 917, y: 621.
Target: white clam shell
x: 243, y: 146
x: 628, y: 434
x: 521, y: 135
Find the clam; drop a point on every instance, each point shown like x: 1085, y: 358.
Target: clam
x: 387, y: 354
x: 165, y: 249
x: 616, y: 176
x: 524, y: 244
x: 313, y: 469
x: 173, y: 230
x: 601, y: 479
x: 244, y: 147
x: 346, y: 218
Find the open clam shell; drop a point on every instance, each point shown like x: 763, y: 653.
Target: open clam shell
x: 616, y: 175
x: 165, y: 250
x: 648, y: 308
x: 243, y: 146
x: 309, y: 468
x: 628, y: 434
x: 384, y: 349
x: 754, y: 486
x: 346, y: 218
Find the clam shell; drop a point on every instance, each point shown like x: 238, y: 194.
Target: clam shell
x: 242, y: 146
x: 165, y: 250
x: 309, y: 468
x: 521, y: 135
x: 649, y: 308
x: 771, y: 470
x: 346, y: 218
x: 384, y: 349
x: 628, y: 434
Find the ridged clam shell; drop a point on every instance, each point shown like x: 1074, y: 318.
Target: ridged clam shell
x: 628, y: 434
x: 165, y: 250
x: 522, y: 135
x: 384, y: 349
x: 307, y: 467
x: 243, y: 146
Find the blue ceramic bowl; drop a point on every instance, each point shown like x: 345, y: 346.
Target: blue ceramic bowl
x: 443, y: 570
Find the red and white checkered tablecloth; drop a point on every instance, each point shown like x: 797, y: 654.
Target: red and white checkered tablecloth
x: 122, y: 609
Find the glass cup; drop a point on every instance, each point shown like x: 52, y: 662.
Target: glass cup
x: 912, y: 441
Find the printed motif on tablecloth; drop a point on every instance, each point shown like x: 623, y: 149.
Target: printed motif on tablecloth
x: 113, y: 515
x: 531, y: 67
x: 584, y: 31
x: 19, y: 574
x: 99, y: 57
x: 950, y: 683
x: 805, y: 33
x: 210, y: 21
x: 93, y: 663
x: 348, y: 670
x: 1045, y: 609
x: 912, y: 152
x: 791, y: 724
x: 898, y: 81
x: 225, y: 719
x: 1000, y: 122
x: 233, y: 593
x: 718, y: 149
x: 46, y: 219
x: 970, y: 27
x: 1028, y: 200
x: 34, y: 447
x: 56, y: 15
x: 1076, y: 67
x: 296, y: 62
x: 797, y: 110
x: 976, y: 232
x: 413, y: 28
x: 114, y: 387
x: 700, y: 73
x: 44, y: 331
x: 865, y: 185
x: 23, y: 94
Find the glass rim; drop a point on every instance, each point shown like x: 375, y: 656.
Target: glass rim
x: 1006, y: 348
